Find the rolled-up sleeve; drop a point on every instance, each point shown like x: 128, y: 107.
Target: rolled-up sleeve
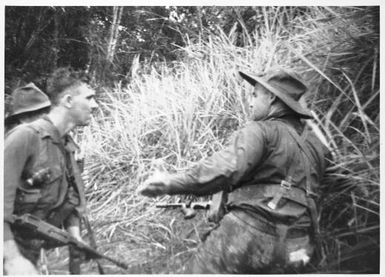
x: 18, y: 147
x: 224, y: 169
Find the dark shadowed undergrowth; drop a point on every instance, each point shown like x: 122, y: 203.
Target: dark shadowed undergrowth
x: 171, y: 115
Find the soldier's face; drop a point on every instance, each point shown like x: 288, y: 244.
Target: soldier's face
x: 83, y: 103
x: 260, y: 101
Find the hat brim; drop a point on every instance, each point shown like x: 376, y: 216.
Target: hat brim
x: 292, y: 104
x: 43, y: 105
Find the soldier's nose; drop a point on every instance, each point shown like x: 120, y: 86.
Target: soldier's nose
x: 94, y: 105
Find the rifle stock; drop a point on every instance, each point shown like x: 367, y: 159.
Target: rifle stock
x: 60, y: 237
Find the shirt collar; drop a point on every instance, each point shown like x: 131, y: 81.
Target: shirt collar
x: 49, y: 130
x: 292, y: 120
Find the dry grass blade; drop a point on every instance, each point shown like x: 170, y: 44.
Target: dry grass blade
x: 360, y: 109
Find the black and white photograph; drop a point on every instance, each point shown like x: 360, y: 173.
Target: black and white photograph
x: 191, y: 139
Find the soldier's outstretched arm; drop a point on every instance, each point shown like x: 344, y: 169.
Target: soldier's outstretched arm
x: 215, y: 173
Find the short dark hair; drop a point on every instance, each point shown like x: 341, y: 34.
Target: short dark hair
x: 62, y: 79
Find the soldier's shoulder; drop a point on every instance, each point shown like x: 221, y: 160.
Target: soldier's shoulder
x: 20, y: 135
x: 253, y: 129
x: 255, y: 125
x: 21, y: 129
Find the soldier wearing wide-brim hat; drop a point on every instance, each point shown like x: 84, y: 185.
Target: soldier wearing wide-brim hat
x: 284, y: 84
x: 27, y: 104
x: 270, y: 170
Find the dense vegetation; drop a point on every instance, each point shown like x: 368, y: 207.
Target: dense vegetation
x: 106, y: 40
x: 170, y: 111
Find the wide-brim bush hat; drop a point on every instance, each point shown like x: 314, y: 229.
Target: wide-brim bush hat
x: 284, y: 84
x: 28, y: 98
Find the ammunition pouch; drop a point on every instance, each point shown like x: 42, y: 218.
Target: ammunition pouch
x: 26, y: 200
x: 38, y: 200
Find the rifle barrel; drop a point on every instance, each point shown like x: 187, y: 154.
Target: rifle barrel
x: 201, y: 205
x: 170, y: 205
x: 97, y: 255
x: 60, y: 236
x: 194, y: 205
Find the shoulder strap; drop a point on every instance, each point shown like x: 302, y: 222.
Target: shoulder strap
x: 301, y: 143
x: 310, y: 201
x: 77, y: 175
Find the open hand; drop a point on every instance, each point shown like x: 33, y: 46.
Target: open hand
x: 156, y: 185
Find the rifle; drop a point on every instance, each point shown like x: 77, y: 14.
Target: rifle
x: 92, y: 241
x: 189, y: 209
x: 60, y: 237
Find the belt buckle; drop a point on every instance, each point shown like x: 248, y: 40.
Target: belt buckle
x: 286, y: 185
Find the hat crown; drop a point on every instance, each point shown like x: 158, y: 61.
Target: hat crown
x: 27, y: 99
x: 286, y: 82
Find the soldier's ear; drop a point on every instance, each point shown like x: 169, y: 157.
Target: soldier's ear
x: 272, y: 98
x: 67, y: 100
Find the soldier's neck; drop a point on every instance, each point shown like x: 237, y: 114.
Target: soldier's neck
x: 61, y: 121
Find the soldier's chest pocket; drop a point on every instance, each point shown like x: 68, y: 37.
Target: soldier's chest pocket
x: 42, y: 196
x: 52, y: 188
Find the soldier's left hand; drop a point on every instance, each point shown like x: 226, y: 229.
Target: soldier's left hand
x: 156, y: 185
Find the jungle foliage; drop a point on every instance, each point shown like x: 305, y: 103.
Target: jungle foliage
x: 170, y: 94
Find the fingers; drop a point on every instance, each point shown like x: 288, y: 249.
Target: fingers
x: 156, y: 185
x: 151, y: 189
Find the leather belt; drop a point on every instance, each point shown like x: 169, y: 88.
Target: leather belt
x: 264, y: 225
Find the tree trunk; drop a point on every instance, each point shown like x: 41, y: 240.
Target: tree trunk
x: 55, y: 46
x: 114, y: 34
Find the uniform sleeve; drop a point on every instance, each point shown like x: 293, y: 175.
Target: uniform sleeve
x: 226, y: 168
x: 18, y: 148
x: 72, y: 220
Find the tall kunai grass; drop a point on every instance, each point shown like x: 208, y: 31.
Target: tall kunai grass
x: 171, y: 115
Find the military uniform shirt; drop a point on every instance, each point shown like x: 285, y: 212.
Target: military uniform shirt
x: 22, y: 158
x: 259, y: 155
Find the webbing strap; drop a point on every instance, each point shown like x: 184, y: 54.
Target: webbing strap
x: 311, y: 203
x: 79, y: 184
x: 280, y: 245
x: 72, y: 170
x: 301, y: 143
